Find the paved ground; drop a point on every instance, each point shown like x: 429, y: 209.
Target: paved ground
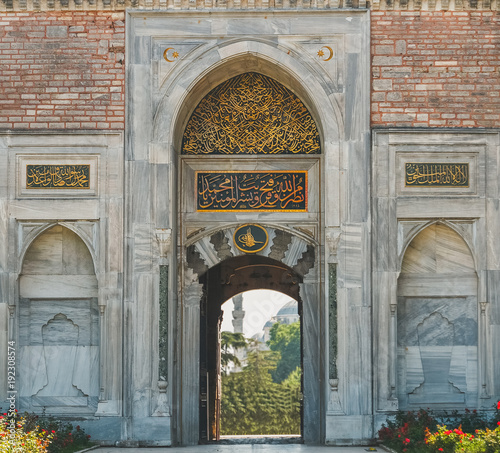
x: 257, y: 448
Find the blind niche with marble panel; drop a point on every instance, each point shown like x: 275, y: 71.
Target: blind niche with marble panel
x: 59, y: 326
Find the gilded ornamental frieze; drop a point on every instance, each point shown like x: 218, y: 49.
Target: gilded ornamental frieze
x: 251, y: 114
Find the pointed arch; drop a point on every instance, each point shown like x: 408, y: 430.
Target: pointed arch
x: 216, y: 64
x: 59, y: 332
x: 27, y: 239
x: 290, y: 262
x: 414, y: 233
x: 250, y: 114
x: 437, y: 294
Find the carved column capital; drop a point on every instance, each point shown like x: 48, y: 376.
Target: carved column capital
x: 164, y: 238
x: 332, y: 236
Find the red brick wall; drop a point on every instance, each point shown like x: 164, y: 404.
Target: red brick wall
x: 66, y: 69
x: 62, y: 70
x: 436, y: 69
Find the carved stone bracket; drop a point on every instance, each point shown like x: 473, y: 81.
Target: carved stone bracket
x: 164, y: 238
x: 162, y: 408
x: 332, y: 237
x: 334, y: 406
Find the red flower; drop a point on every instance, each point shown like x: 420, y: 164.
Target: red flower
x: 498, y: 406
x: 407, y: 441
x: 53, y: 432
x: 440, y: 449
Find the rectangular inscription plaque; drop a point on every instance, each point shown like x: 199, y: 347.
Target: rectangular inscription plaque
x: 251, y: 191
x: 57, y: 176
x: 437, y: 174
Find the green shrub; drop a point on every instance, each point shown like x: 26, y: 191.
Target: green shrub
x: 456, y: 441
x: 422, y: 431
x: 66, y: 438
x: 33, y: 433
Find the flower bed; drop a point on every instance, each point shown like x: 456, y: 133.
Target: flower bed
x: 422, y: 431
x: 31, y: 433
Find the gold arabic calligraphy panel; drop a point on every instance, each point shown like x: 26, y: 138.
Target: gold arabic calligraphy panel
x: 437, y: 174
x: 57, y: 176
x: 251, y: 114
x: 239, y: 191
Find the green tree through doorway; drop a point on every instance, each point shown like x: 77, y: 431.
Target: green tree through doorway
x: 261, y: 387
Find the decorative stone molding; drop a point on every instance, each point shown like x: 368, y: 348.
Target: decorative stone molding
x: 219, y: 5
x: 242, y: 5
x: 162, y: 409
x: 332, y: 237
x: 334, y: 405
x: 164, y: 238
x: 433, y: 5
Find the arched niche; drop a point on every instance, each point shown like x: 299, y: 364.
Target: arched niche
x: 293, y: 261
x: 58, y: 325
x: 437, y: 329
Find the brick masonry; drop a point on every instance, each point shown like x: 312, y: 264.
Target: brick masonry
x: 66, y: 69
x: 62, y: 70
x: 436, y: 69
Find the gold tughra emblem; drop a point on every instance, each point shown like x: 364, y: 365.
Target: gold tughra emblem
x: 251, y: 238
x: 248, y: 239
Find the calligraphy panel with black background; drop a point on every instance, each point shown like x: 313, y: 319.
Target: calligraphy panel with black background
x: 252, y: 191
x: 57, y: 176
x: 437, y: 174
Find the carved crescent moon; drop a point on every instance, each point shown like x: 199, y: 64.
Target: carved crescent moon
x: 166, y: 56
x: 331, y: 53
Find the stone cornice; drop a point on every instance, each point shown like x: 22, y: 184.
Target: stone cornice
x: 247, y: 5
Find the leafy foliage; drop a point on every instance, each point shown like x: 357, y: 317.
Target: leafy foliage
x: 253, y: 404
x: 451, y: 441
x: 285, y: 339
x: 419, y: 432
x: 15, y: 438
x: 230, y: 342
x: 35, y: 433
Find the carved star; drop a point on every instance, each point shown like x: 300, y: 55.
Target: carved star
x: 175, y: 55
x: 320, y: 53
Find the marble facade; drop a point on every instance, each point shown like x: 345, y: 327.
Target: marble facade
x: 398, y: 283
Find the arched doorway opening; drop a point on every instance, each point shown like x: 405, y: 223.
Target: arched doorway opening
x: 220, y: 283
x: 261, y: 368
